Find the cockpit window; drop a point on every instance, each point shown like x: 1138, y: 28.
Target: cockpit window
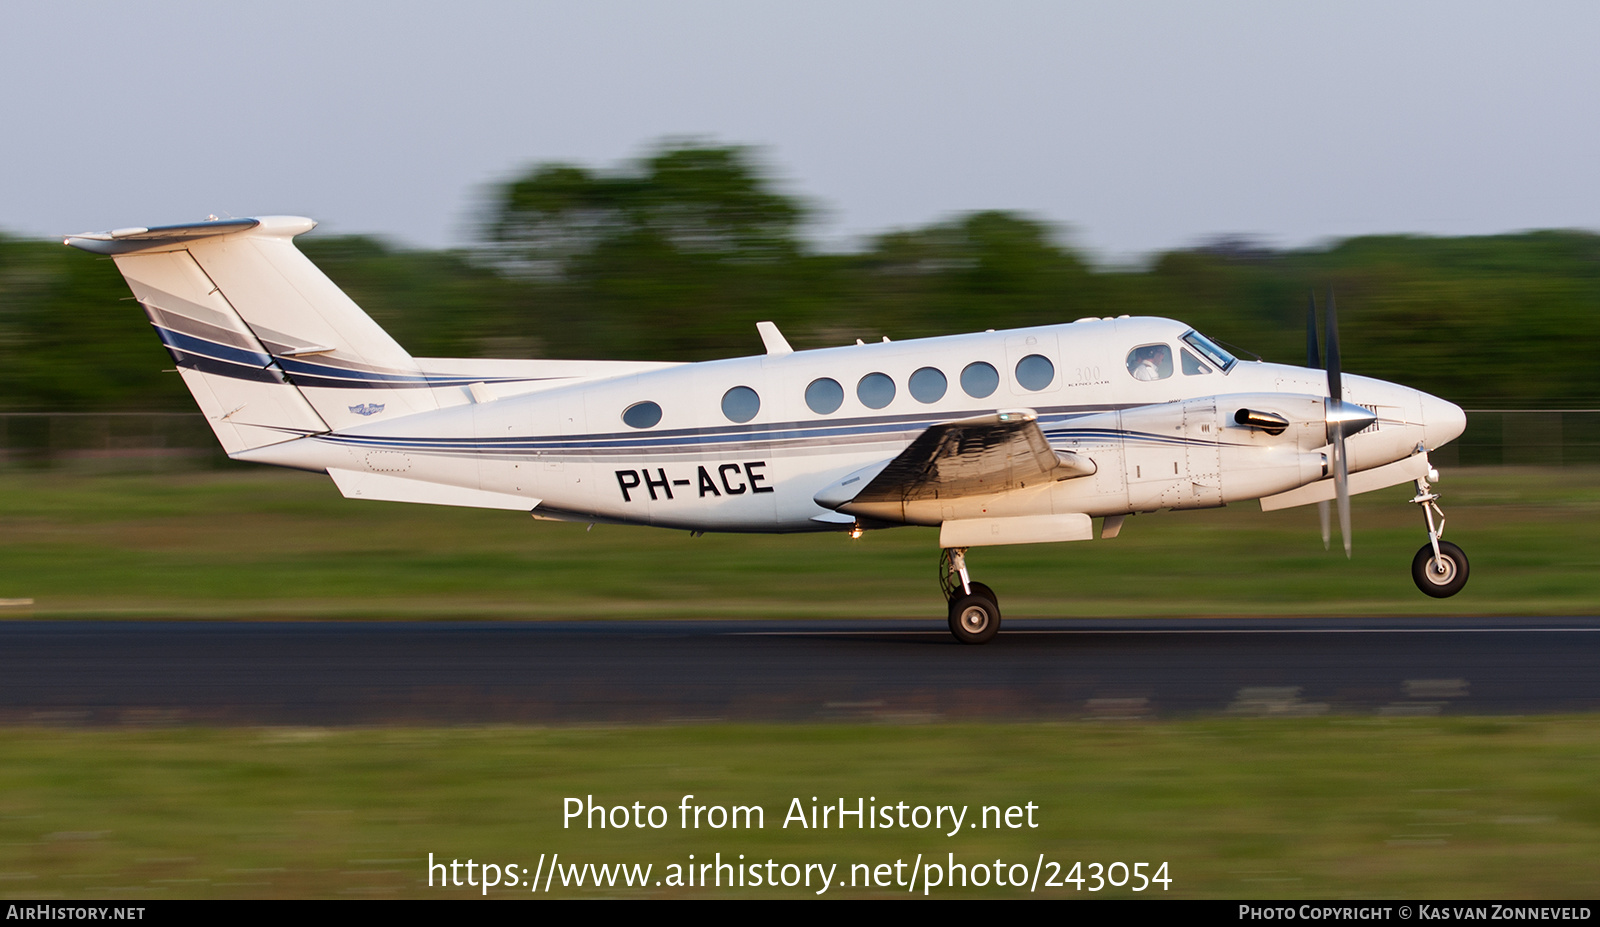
x: 1150, y: 362
x: 1209, y: 350
x: 1191, y: 364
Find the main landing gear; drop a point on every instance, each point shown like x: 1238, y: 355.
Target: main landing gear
x: 1440, y: 567
x: 974, y: 608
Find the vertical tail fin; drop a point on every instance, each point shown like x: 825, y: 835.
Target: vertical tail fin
x: 270, y: 348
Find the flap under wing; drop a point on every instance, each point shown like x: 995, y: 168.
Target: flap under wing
x: 970, y: 457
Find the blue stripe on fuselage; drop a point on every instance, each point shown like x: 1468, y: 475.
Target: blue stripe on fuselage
x: 309, y: 373
x: 225, y: 360
x: 789, y: 434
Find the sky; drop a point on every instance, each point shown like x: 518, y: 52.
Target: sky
x: 1132, y: 126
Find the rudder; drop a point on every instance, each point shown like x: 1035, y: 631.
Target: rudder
x: 243, y: 394
x: 270, y: 348
x: 348, y: 368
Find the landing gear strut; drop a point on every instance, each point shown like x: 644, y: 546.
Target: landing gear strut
x: 974, y: 608
x: 1440, y: 567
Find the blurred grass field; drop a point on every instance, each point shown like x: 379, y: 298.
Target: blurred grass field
x: 261, y: 543
x: 1444, y: 807
x: 1314, y: 808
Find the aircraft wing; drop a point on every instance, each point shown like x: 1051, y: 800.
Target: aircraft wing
x: 969, y: 457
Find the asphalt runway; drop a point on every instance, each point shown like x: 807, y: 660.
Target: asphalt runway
x: 356, y: 673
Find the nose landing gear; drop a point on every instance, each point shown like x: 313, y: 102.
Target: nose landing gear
x: 974, y: 608
x: 1440, y: 568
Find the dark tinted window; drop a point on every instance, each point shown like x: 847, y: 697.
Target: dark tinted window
x: 824, y: 396
x: 875, y: 390
x: 928, y: 385
x: 979, y: 380
x: 642, y: 415
x: 1035, y: 372
x: 740, y: 404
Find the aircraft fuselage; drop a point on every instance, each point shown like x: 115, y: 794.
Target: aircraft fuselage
x: 1172, y: 442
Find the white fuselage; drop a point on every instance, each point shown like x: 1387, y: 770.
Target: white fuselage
x: 1170, y: 442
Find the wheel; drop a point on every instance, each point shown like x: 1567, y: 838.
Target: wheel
x: 977, y: 589
x: 975, y: 617
x: 1440, y: 583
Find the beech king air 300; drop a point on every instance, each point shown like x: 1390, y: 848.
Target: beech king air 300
x: 999, y: 437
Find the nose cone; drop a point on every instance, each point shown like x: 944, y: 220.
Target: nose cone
x: 1442, y: 421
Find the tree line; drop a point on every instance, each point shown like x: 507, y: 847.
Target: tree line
x: 678, y: 255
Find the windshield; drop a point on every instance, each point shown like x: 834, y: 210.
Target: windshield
x: 1209, y: 349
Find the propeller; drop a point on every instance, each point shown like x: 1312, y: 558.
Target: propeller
x: 1314, y: 360
x: 1343, y: 419
x: 1336, y: 423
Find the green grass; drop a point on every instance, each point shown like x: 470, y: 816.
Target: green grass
x: 1319, y: 808
x: 1238, y: 807
x: 272, y: 544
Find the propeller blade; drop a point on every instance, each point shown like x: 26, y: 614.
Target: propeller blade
x: 1341, y: 487
x: 1313, y: 356
x: 1335, y: 385
x: 1342, y: 419
x: 1314, y: 360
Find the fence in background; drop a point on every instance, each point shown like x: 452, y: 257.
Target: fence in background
x: 121, y: 440
x: 182, y: 440
x: 1525, y: 437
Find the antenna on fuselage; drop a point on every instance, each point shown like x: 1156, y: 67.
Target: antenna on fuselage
x: 1313, y: 356
x: 773, y: 339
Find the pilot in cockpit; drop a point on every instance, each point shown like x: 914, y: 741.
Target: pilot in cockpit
x: 1150, y: 362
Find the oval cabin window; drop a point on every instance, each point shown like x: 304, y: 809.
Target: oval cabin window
x: 875, y: 390
x: 1035, y: 372
x: 740, y: 404
x: 642, y: 415
x: 928, y: 385
x: 824, y: 396
x: 979, y: 380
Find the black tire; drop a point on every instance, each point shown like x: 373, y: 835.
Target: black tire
x: 974, y: 618
x: 981, y: 589
x: 1431, y: 581
x: 977, y: 589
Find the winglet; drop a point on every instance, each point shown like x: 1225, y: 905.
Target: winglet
x: 773, y: 339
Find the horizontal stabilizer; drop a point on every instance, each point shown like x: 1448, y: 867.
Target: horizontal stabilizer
x: 384, y: 488
x: 124, y: 241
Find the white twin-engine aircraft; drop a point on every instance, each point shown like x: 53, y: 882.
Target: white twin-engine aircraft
x: 1008, y: 437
